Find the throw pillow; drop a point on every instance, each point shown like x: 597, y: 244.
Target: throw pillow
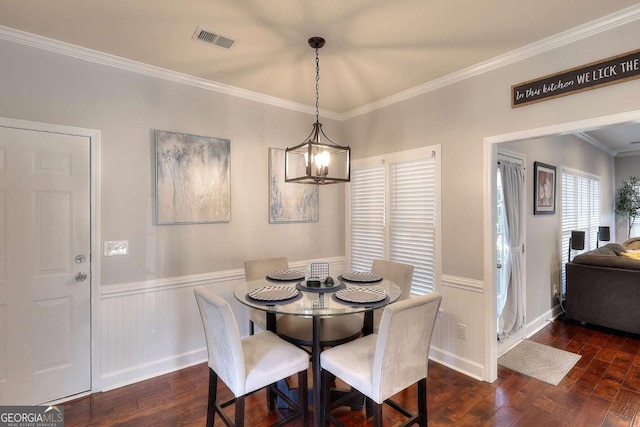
x: 632, y: 243
x: 631, y: 254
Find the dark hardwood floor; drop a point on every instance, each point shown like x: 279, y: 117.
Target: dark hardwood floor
x: 603, y: 389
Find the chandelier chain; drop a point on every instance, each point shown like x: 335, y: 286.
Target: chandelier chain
x: 317, y: 86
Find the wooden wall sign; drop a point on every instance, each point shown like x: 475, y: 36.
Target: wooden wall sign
x: 616, y: 69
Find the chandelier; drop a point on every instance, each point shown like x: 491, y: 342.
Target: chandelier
x: 318, y: 160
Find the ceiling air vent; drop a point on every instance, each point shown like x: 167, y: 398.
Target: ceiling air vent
x: 215, y: 39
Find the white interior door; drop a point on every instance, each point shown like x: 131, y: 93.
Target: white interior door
x: 45, y: 277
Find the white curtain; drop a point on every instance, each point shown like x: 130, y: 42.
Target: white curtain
x: 504, y: 263
x: 512, y: 315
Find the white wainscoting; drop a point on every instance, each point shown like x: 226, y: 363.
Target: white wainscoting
x: 153, y: 327
x: 462, y: 303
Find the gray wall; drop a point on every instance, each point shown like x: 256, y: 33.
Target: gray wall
x: 625, y: 167
x: 461, y: 115
x: 543, y: 232
x: 42, y: 86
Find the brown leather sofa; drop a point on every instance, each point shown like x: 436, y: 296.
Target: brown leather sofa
x: 603, y: 288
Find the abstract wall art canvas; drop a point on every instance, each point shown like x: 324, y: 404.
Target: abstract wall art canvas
x: 289, y: 202
x: 192, y: 179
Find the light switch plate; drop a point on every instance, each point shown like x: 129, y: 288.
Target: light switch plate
x: 116, y: 247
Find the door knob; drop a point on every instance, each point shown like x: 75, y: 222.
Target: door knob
x: 81, y: 276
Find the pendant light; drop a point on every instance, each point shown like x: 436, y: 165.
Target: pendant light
x: 318, y: 160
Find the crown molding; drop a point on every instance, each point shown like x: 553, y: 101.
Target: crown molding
x: 591, y: 140
x: 594, y: 27
x: 74, y: 51
x: 628, y: 153
x: 596, y: 143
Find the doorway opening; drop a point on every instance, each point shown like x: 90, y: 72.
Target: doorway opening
x: 490, y: 215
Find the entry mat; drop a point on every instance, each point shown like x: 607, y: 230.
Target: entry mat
x: 539, y: 361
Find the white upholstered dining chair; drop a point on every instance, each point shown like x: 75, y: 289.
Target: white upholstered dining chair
x: 258, y: 269
x: 381, y: 365
x: 400, y: 273
x: 248, y: 364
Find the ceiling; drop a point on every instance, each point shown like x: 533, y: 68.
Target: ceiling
x: 619, y: 140
x: 374, y: 48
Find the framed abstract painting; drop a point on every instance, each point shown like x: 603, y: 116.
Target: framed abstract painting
x: 192, y: 179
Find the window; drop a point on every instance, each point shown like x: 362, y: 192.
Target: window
x: 393, y: 205
x: 635, y: 230
x: 580, y: 211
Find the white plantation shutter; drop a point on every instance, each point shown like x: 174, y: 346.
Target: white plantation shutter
x: 570, y: 215
x: 594, y: 214
x: 393, y: 213
x: 412, y: 219
x: 581, y: 203
x: 367, y: 216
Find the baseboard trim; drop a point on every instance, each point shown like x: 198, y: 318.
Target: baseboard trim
x: 457, y: 363
x: 541, y: 321
x: 152, y: 369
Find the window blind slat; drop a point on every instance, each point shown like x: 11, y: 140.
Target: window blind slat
x: 411, y: 206
x: 412, y: 220
x: 367, y: 216
x: 581, y: 206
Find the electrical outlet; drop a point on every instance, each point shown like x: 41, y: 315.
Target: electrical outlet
x: 555, y: 291
x: 462, y: 331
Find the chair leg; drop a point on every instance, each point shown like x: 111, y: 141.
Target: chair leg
x: 251, y: 327
x: 213, y: 395
x: 422, y: 402
x: 303, y: 397
x: 376, y: 408
x: 272, y: 399
x: 239, y: 420
x: 368, y: 411
x: 325, y: 386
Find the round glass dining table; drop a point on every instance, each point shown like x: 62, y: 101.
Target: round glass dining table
x: 296, y: 299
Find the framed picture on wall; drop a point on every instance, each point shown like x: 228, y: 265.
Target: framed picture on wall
x: 192, y: 179
x: 290, y: 202
x: 544, y: 189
